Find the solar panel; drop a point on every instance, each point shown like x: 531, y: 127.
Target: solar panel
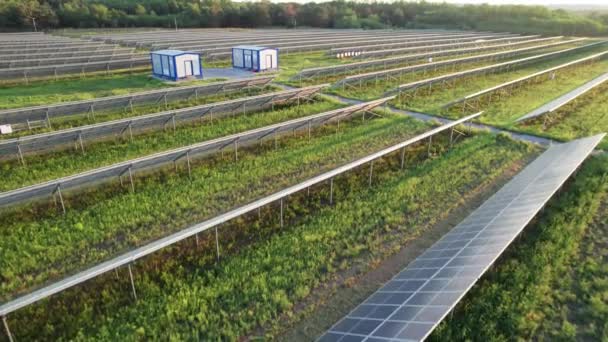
x: 415, y: 301
x: 565, y: 99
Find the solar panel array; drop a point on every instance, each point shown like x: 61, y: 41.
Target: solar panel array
x: 504, y: 85
x: 415, y: 301
x: 375, y: 75
x: 22, y: 116
x: 187, y: 153
x: 138, y: 124
x: 492, y: 68
x: 565, y: 99
x: 140, y: 252
x: 379, y: 50
x: 384, y: 62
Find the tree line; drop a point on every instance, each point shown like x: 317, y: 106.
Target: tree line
x: 49, y: 14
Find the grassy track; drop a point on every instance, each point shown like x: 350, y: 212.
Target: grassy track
x: 511, y: 301
x: 186, y: 297
x: 579, y: 305
x: 102, y: 223
x: 60, y: 164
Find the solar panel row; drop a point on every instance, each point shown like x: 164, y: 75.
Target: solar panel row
x: 140, y: 252
x: 415, y: 301
x: 46, y: 142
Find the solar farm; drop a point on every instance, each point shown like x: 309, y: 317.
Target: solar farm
x: 378, y: 185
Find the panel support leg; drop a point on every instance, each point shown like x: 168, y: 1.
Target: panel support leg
x: 189, y: 166
x: 217, y: 244
x: 236, y: 150
x: 402, y: 158
x: 58, y: 191
x: 331, y: 191
x: 132, y: 282
x: 8, y: 331
x: 131, y: 180
x: 281, y: 205
x: 430, y: 143
x: 371, y: 172
x: 451, y: 137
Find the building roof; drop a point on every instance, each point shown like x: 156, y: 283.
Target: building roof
x: 251, y: 47
x: 173, y: 52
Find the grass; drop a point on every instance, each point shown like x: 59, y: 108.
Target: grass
x: 512, y: 300
x: 185, y: 296
x: 63, y: 90
x: 40, y: 168
x: 585, y: 116
x: 108, y: 220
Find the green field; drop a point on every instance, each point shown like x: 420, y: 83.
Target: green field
x: 280, y: 267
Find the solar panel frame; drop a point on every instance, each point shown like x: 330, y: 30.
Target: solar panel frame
x: 436, y: 281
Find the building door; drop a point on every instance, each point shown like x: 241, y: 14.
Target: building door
x: 189, y: 68
x: 269, y: 62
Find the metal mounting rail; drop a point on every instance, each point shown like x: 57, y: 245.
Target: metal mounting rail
x: 140, y: 252
x: 489, y: 68
x: 565, y: 99
x: 433, y: 65
x: 16, y: 148
x: 187, y: 153
x: 525, y: 78
x: 342, y: 68
x: 63, y: 109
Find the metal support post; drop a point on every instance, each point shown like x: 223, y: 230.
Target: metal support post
x: 58, y: 191
x: 8, y: 331
x: 131, y: 180
x: 402, y: 158
x: 371, y: 172
x: 430, y: 143
x: 81, y: 142
x: 132, y: 282
x: 217, y: 244
x: 309, y: 129
x: 188, y: 163
x: 451, y: 137
x: 281, y: 204
x: 331, y: 191
x: 236, y: 150
x: 20, y: 153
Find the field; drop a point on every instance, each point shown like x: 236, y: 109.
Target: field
x: 291, y: 268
